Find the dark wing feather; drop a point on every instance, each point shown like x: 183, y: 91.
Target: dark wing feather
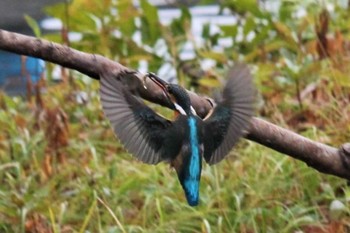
x: 231, y: 117
x: 138, y: 127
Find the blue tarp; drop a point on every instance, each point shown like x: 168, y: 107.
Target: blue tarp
x: 12, y: 79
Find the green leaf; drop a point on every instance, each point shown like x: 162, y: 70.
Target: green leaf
x: 285, y: 32
x: 243, y: 7
x: 180, y: 26
x: 150, y: 26
x: 33, y: 24
x: 206, y: 31
x: 127, y: 14
x: 262, y: 34
x: 286, y: 10
x: 85, y: 22
x: 58, y: 11
x: 209, y: 82
x: 186, y: 18
x: 229, y: 30
x: 249, y: 25
x: 214, y: 55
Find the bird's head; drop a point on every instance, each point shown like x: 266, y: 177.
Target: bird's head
x: 176, y: 94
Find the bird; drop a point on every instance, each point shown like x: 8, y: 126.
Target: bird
x: 188, y: 139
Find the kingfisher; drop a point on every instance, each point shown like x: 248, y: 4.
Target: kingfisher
x: 186, y: 140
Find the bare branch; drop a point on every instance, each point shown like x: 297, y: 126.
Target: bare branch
x: 322, y: 157
x: 319, y: 156
x: 49, y: 51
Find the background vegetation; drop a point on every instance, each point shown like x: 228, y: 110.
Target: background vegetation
x: 62, y: 169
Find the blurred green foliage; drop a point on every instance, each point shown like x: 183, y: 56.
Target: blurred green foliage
x: 299, y: 54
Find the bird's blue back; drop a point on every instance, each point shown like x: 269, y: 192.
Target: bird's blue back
x: 193, y: 166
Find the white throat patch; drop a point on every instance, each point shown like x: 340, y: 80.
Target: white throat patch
x: 193, y: 111
x: 180, y: 109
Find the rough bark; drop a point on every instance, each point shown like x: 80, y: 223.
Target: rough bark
x: 324, y: 158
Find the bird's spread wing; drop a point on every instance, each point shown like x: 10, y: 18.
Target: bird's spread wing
x: 139, y: 128
x: 231, y: 117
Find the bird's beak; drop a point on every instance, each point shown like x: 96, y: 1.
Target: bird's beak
x: 162, y: 84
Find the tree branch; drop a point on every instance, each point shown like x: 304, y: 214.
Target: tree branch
x: 319, y: 156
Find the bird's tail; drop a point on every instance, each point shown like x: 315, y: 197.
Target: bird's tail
x: 189, y: 176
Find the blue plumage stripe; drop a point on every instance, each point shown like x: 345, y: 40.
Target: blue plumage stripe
x: 191, y: 181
